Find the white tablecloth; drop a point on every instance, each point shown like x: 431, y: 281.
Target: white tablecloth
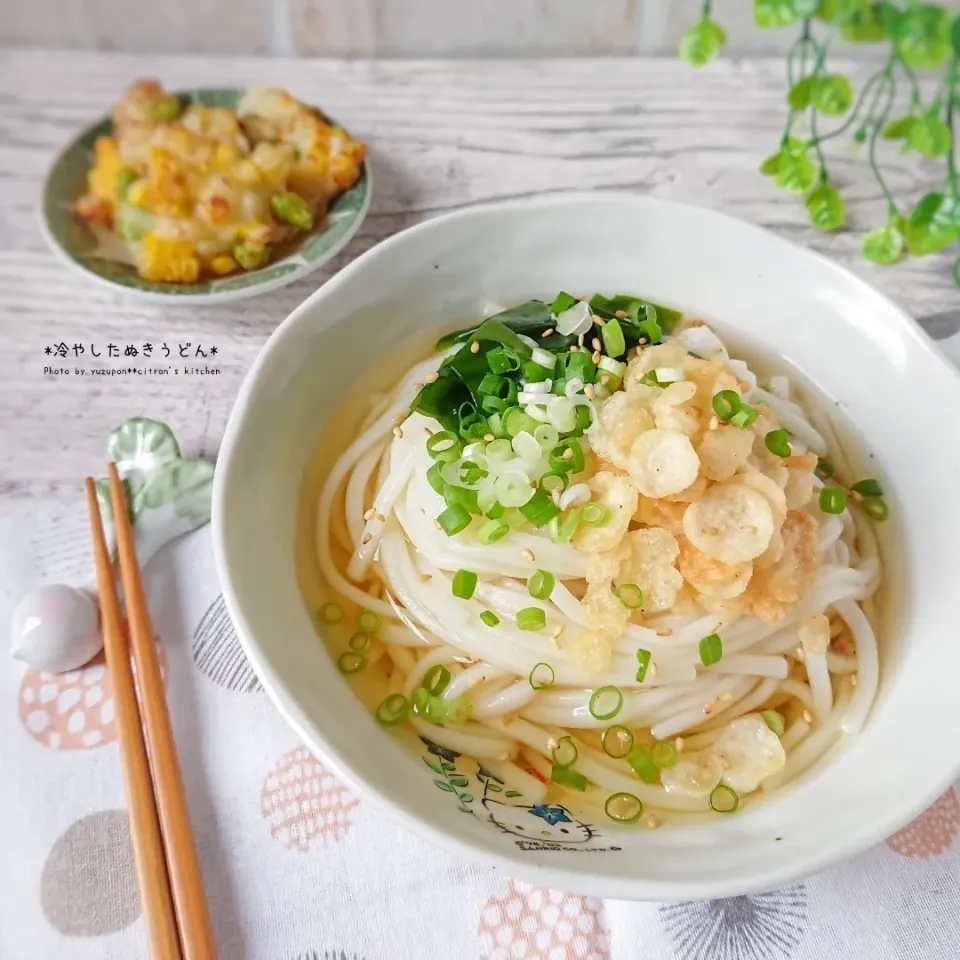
x: 298, y: 867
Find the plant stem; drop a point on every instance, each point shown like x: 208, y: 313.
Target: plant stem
x: 854, y: 113
x: 705, y: 9
x: 888, y: 86
x: 952, y: 152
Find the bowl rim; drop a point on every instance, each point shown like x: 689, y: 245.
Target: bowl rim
x: 591, y: 883
x: 77, y: 265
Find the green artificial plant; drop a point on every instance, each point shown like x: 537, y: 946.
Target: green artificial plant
x: 917, y: 38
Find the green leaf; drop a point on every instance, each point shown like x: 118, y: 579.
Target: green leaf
x: 142, y: 442
x: 883, y: 245
x: 443, y: 785
x: 860, y: 135
x: 702, y: 42
x: 956, y: 271
x: 929, y: 136
x: 899, y: 128
x: 771, y: 166
x: 933, y: 224
x: 955, y: 36
x: 799, y: 95
x: 459, y: 780
x: 923, y: 37
x: 493, y: 787
x: 513, y: 793
x: 825, y: 206
x: 466, y: 798
x: 778, y: 13
x: 446, y: 765
x: 433, y: 765
x: 797, y: 172
x: 832, y: 95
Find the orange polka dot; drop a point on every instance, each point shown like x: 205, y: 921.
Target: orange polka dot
x: 536, y: 923
x: 932, y: 832
x: 304, y: 804
x: 72, y: 711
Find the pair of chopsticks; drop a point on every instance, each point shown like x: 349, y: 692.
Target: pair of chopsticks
x: 168, y: 872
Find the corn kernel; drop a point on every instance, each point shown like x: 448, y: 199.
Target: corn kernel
x: 223, y: 264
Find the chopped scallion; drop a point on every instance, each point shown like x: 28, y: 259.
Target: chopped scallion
x: 631, y: 596
x: 825, y: 469
x: 724, y: 799
x: 435, y: 477
x: 359, y: 641
x: 623, y: 807
x: 419, y: 701
x: 833, y: 499
x: 567, y: 456
x: 531, y: 618
x: 493, y: 530
x: 744, y: 416
x: 594, y: 515
x: 330, y: 613
x: 443, y: 446
x: 454, y: 519
x: 565, y: 752
x: 541, y: 584
x: 517, y: 421
x: 540, y: 508
x: 875, y: 508
x: 502, y: 360
x: 726, y: 403
x: 351, y: 662
x: 868, y: 488
x: 613, y: 340
x: 568, y: 526
x: 564, y: 301
x: 664, y: 754
x: 617, y: 741
x: 711, y: 650
x: 459, y: 710
x: 643, y: 662
x: 393, y: 709
x: 643, y: 766
x: 456, y: 496
x: 465, y: 582
x: 489, y: 618
x: 368, y: 621
x: 605, y: 702
x: 435, y: 680
x: 541, y: 676
x: 774, y: 721
x: 650, y: 330
x: 568, y: 778
x: 778, y: 443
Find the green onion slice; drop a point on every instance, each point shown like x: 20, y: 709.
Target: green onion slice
x: 454, y: 519
x: 351, y: 662
x: 359, y: 641
x: 541, y: 676
x: 368, y: 621
x: 825, y: 469
x: 492, y: 531
x: 541, y: 585
x: 594, y: 515
x: 393, y: 709
x: 540, y: 508
x: 617, y: 741
x: 623, y: 807
x: 531, y: 618
x: 436, y: 679
x: 459, y: 710
x: 565, y: 752
x: 568, y: 526
x: 568, y: 778
x: 778, y: 443
x: 419, y: 701
x: 443, y: 446
x: 744, y: 416
x: 724, y: 799
x: 711, y: 650
x: 605, y: 702
x: 435, y: 477
x: 489, y: 618
x: 833, y: 499
x: 630, y: 595
x: 875, y: 508
x: 643, y: 662
x: 330, y: 613
x: 774, y: 721
x: 643, y: 766
x: 726, y: 403
x: 868, y: 488
x: 664, y: 754
x: 465, y: 582
x: 567, y: 456
x: 614, y: 343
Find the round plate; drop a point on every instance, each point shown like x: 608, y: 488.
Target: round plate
x: 73, y: 240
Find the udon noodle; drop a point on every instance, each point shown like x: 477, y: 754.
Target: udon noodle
x: 671, y: 616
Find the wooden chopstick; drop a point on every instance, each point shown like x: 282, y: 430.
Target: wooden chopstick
x: 145, y: 835
x: 186, y: 880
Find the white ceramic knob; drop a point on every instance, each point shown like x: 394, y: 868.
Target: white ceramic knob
x: 56, y: 628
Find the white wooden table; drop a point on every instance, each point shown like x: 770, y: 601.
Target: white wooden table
x: 442, y: 134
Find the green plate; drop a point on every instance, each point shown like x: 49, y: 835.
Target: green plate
x: 74, y: 241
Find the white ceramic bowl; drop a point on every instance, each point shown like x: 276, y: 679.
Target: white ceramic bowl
x: 860, y: 348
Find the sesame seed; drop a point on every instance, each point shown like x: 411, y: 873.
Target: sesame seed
x: 489, y: 437
x: 504, y: 756
x: 856, y: 495
x: 654, y: 671
x: 475, y: 347
x: 605, y: 379
x: 725, y: 697
x: 418, y: 386
x: 853, y: 680
x: 528, y: 554
x: 547, y: 333
x: 590, y: 393
x: 596, y: 357
x: 432, y: 377
x: 366, y: 538
x: 714, y: 423
x: 399, y: 417
x: 599, y: 321
x: 424, y: 577
x: 621, y: 314
x: 369, y: 514
x: 580, y: 339
x: 799, y: 653
x: 567, y: 454
x: 808, y: 716
x: 596, y: 318
x: 653, y: 822
x: 708, y: 708
x: 551, y: 743
x: 436, y: 524
x: 397, y: 432
x: 595, y: 343
x: 641, y: 340
x: 725, y: 763
x: 664, y: 632
x: 678, y: 743
x: 557, y: 631
x: 380, y: 518
x: 573, y: 348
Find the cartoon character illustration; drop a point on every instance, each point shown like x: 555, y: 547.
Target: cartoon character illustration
x: 540, y: 823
